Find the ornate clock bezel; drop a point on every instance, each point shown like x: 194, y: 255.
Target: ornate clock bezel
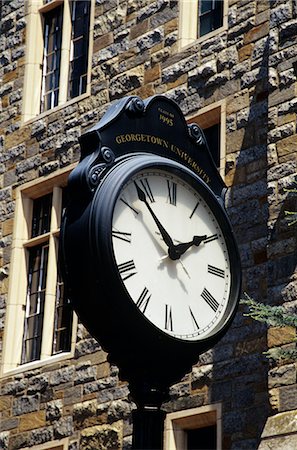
x: 101, y: 214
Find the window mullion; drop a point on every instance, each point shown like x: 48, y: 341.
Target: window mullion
x: 65, y: 54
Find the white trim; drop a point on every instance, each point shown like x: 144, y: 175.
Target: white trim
x: 177, y: 424
x: 15, y: 310
x: 188, y: 24
x: 34, y: 55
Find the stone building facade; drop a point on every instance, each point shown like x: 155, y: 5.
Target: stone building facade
x: 242, y: 75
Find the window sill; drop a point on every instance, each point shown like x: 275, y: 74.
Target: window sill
x: 193, y: 41
x: 37, y: 364
x: 32, y: 119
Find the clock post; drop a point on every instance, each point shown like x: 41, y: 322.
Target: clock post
x: 160, y: 279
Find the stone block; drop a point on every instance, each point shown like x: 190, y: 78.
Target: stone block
x: 277, y: 336
x: 286, y: 145
x: 282, y: 376
x: 288, y: 397
x: 32, y: 420
x: 126, y: 82
x: 54, y: 410
x: 25, y: 405
x: 63, y: 427
x: 102, y: 42
x: 256, y: 33
x: 282, y: 423
x: 103, y: 437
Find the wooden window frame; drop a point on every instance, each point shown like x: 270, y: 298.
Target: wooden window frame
x: 17, y: 291
x: 188, y: 23
x: 177, y: 424
x: 35, y: 9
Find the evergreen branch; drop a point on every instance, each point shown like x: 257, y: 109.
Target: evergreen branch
x: 280, y: 354
x: 275, y: 316
x: 291, y: 217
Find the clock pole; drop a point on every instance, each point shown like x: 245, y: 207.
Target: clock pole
x: 148, y: 418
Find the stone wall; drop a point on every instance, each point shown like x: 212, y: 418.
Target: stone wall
x: 252, y: 66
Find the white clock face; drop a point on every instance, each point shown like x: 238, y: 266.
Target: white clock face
x: 171, y: 254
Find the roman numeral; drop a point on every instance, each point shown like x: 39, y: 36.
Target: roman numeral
x: 171, y: 192
x: 193, y: 212
x: 143, y: 300
x: 121, y: 235
x: 196, y: 326
x: 129, y: 206
x: 127, y: 269
x: 210, y: 300
x: 147, y: 189
x: 210, y: 238
x: 216, y: 271
x: 168, y: 318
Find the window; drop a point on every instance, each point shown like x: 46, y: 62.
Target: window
x: 199, y: 18
x: 39, y: 321
x: 194, y: 429
x: 212, y: 120
x: 210, y: 16
x: 58, y: 53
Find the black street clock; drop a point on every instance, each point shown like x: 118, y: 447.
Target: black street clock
x: 149, y: 257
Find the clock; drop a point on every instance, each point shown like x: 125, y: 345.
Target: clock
x: 163, y: 252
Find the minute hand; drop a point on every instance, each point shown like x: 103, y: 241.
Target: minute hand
x: 167, y: 239
x: 180, y: 249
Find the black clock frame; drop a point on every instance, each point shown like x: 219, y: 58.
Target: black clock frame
x: 122, y: 330
x: 135, y: 135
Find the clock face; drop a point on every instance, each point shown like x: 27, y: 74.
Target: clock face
x: 171, y: 254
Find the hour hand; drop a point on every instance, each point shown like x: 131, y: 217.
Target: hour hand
x: 142, y: 197
x: 179, y: 249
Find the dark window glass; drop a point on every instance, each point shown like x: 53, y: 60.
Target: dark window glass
x: 80, y: 19
x: 202, y: 438
x: 41, y: 215
x: 37, y: 270
x: 210, y: 16
x: 63, y: 320
x: 52, y: 39
x: 212, y: 135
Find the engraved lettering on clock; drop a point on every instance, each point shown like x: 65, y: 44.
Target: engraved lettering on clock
x: 171, y: 185
x: 122, y: 235
x: 210, y: 300
x: 194, y: 210
x: 147, y: 189
x: 210, y: 238
x: 143, y: 300
x: 168, y: 318
x: 127, y: 269
x: 129, y: 206
x: 215, y: 271
x: 196, y: 326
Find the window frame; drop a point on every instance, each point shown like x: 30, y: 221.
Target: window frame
x: 35, y: 9
x: 211, y: 115
x: 177, y: 423
x: 18, y: 278
x: 188, y: 23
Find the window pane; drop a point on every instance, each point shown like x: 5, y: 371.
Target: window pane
x: 80, y: 16
x: 37, y: 269
x: 210, y: 16
x: 41, y: 215
x: 202, y: 438
x: 205, y: 6
x: 51, y: 58
x: 63, y: 320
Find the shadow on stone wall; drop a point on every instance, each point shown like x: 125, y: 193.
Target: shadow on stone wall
x: 240, y: 371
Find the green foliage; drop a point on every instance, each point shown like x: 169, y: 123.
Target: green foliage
x: 275, y: 316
